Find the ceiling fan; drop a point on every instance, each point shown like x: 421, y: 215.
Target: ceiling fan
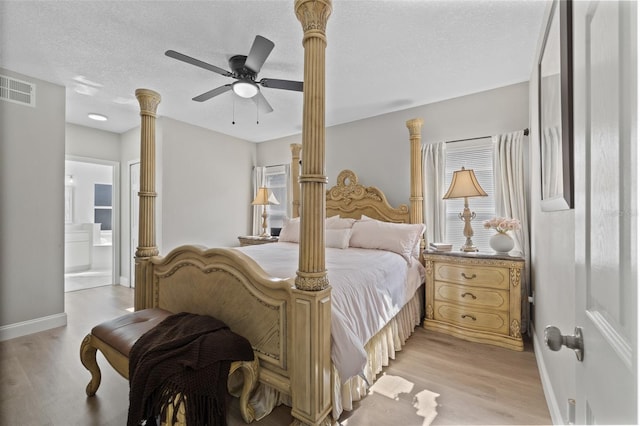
x: 245, y: 70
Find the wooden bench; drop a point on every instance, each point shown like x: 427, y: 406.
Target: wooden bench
x: 116, y: 337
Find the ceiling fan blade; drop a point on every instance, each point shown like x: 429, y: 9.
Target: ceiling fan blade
x: 260, y: 49
x: 263, y: 104
x: 274, y: 83
x: 211, y: 93
x: 193, y: 61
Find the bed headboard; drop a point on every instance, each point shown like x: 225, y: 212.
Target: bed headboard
x: 350, y: 199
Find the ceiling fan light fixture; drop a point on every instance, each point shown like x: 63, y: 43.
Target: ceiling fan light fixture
x: 245, y: 89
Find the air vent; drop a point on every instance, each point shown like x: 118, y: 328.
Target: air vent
x: 17, y: 91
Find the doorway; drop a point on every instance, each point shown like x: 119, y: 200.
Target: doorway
x: 91, y: 223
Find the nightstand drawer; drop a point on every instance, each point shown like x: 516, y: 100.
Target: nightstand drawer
x: 496, y: 322
x: 474, y: 297
x: 483, y: 276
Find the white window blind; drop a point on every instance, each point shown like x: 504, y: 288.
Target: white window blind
x: 275, y: 179
x: 475, y: 154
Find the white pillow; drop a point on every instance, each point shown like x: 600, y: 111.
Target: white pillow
x: 400, y: 238
x: 337, y: 238
x: 337, y: 222
x: 290, y: 232
x: 416, y: 249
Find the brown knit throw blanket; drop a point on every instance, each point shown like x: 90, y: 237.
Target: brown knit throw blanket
x: 185, y: 359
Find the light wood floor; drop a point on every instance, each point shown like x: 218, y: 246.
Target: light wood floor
x: 42, y: 381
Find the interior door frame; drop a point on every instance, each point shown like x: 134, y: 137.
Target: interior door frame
x: 131, y: 249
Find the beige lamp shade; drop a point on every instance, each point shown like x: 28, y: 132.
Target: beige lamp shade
x: 464, y: 184
x: 262, y: 197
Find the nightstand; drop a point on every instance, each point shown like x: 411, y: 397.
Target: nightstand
x: 251, y: 240
x: 474, y: 296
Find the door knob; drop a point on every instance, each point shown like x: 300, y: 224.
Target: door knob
x: 555, y: 340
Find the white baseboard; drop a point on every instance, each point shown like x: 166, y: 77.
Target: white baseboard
x: 549, y: 394
x: 36, y: 325
x: 124, y: 281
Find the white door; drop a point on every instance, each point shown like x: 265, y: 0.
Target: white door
x: 134, y: 204
x: 606, y: 209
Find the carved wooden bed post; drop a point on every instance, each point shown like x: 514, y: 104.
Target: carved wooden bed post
x: 147, y: 248
x: 416, y: 199
x: 295, y: 173
x: 311, y: 378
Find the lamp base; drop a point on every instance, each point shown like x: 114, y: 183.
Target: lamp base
x: 467, y: 216
x: 265, y: 233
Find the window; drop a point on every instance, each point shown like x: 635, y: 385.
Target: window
x: 275, y: 179
x: 477, y: 155
x: 102, y: 206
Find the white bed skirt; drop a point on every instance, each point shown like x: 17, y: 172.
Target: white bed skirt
x: 380, y: 349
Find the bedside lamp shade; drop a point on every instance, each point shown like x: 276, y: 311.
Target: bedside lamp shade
x: 464, y: 185
x: 263, y: 198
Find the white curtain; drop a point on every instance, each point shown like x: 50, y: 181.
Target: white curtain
x: 288, y: 203
x: 511, y: 199
x: 433, y: 165
x: 258, y: 181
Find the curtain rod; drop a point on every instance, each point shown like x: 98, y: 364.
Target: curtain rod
x: 526, y: 133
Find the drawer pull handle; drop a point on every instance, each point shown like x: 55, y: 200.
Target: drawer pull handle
x: 466, y: 277
x: 469, y: 294
x: 468, y: 316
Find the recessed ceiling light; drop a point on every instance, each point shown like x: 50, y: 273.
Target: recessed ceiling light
x: 97, y: 117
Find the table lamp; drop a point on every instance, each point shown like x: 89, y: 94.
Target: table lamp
x: 464, y: 185
x: 263, y: 198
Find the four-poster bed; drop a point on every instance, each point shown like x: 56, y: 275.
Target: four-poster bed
x: 287, y: 320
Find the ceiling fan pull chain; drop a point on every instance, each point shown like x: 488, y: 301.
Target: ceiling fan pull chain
x: 258, y: 111
x: 233, y: 120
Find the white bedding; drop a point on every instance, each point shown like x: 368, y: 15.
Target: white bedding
x: 368, y: 288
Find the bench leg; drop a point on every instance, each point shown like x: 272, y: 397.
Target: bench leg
x: 249, y: 370
x: 88, y: 359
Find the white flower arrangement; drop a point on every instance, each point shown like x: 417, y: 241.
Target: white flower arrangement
x: 502, y: 224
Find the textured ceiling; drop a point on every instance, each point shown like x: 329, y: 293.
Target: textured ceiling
x: 382, y: 56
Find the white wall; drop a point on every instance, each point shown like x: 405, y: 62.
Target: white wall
x: 203, y: 181
x: 377, y: 148
x: 32, y: 144
x: 206, y: 186
x: 84, y: 141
